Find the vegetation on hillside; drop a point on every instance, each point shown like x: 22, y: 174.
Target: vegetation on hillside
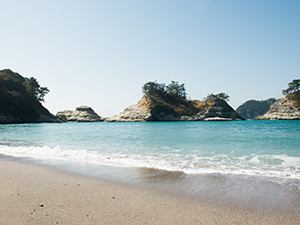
x: 171, y: 99
x: 20, y: 97
x: 254, y: 108
x: 203, y: 106
x: 222, y: 96
x: 294, y: 86
x: 293, y: 92
x: 173, y: 90
x: 168, y: 99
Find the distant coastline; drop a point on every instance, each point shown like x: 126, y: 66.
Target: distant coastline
x: 21, y: 103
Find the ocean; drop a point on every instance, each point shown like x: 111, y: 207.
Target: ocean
x: 257, y: 151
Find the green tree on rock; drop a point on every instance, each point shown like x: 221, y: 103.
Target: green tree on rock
x: 34, y: 89
x: 294, y: 86
x: 222, y: 96
x: 153, y: 85
x: 293, y: 92
x: 176, y: 89
x: 168, y: 100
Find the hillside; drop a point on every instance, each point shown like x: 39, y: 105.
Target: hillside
x: 161, y: 104
x: 254, y: 108
x: 20, y: 99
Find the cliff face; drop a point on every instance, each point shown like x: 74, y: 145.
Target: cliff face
x: 218, y: 110
x: 135, y: 113
x: 81, y: 114
x: 282, y: 109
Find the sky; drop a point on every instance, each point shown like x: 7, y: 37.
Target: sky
x: 100, y: 53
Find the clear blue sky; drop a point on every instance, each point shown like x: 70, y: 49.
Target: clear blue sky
x: 101, y: 52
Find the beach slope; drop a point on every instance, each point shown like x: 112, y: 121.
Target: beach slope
x: 32, y: 194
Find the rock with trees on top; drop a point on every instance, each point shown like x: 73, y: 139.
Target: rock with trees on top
x: 20, y: 99
x: 169, y: 103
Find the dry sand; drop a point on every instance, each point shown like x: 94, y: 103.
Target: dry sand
x: 32, y: 194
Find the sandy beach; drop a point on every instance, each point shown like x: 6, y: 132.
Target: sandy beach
x: 33, y: 194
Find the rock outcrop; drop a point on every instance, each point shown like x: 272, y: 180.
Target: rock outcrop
x: 218, y: 111
x: 45, y: 117
x: 81, y: 114
x: 282, y: 109
x: 64, y: 115
x: 134, y: 113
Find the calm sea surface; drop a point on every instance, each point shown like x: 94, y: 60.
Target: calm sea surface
x: 259, y: 148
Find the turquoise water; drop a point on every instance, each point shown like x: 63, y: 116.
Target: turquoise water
x: 259, y: 148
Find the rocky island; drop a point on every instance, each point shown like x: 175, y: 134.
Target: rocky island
x: 169, y: 103
x: 81, y: 114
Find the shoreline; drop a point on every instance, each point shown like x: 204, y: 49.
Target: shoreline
x: 34, y: 194
x: 243, y: 191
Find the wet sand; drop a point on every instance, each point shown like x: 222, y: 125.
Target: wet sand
x: 35, y: 194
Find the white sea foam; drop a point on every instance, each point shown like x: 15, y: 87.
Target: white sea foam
x: 281, y: 166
